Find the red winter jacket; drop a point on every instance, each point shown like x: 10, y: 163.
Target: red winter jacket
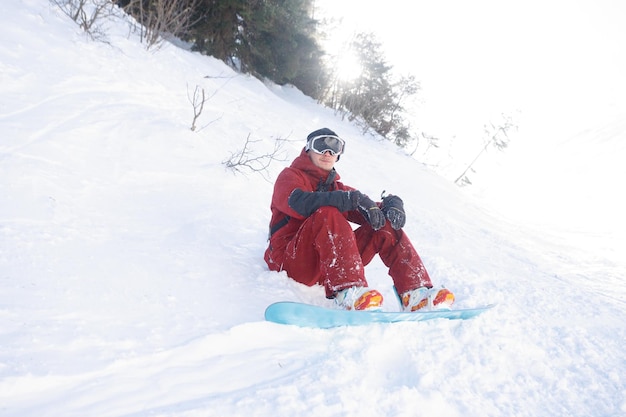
x: 286, y: 219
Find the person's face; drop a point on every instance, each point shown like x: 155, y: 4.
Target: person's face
x: 325, y: 161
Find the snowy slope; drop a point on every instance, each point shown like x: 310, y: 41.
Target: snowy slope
x: 131, y: 273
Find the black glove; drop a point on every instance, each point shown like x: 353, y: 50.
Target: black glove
x: 370, y: 211
x: 393, y: 208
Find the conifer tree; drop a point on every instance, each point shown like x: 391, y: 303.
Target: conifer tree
x: 269, y: 38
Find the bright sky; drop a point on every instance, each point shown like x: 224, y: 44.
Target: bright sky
x: 490, y: 56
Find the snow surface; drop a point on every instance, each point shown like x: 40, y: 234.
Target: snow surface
x: 131, y: 274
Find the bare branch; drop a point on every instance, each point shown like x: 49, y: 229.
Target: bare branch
x: 161, y: 18
x: 197, y: 104
x: 88, y: 14
x: 498, y: 137
x: 197, y: 101
x: 244, y: 159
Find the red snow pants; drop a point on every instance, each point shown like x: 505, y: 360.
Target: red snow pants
x: 326, y: 251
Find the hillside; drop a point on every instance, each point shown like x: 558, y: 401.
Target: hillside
x: 131, y: 274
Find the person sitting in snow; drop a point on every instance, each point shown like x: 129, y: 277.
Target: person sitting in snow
x: 311, y: 237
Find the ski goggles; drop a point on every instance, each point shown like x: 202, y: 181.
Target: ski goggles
x: 321, y: 144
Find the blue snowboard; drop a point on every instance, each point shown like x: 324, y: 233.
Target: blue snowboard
x: 307, y: 315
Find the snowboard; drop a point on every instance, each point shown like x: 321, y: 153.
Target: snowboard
x: 308, y: 315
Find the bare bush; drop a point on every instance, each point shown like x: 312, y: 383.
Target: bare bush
x: 197, y: 101
x: 496, y: 136
x: 159, y: 19
x: 88, y: 14
x: 244, y: 159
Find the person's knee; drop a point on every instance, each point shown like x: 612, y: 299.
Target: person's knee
x: 327, y: 211
x: 330, y: 217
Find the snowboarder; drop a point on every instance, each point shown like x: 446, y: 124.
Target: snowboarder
x: 311, y: 237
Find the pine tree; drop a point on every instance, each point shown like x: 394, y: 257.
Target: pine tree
x: 268, y: 38
x: 217, y: 29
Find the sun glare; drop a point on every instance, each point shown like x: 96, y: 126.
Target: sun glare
x: 347, y: 66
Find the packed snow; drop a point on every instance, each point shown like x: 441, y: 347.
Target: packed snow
x: 132, y: 281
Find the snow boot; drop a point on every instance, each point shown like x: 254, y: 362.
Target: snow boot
x: 359, y: 298
x: 427, y: 299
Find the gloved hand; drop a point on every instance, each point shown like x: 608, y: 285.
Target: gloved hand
x: 393, y: 208
x: 369, y: 209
